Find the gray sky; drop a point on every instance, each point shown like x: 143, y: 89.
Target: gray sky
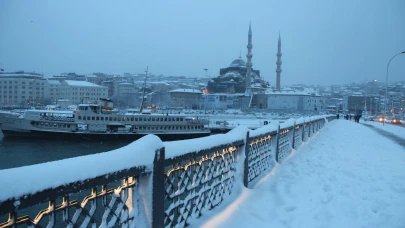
x: 323, y: 42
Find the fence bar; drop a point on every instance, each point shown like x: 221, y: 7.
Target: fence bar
x: 158, y: 191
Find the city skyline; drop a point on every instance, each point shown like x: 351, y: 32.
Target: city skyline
x: 323, y: 43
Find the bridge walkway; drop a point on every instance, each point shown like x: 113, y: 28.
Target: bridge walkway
x: 349, y: 175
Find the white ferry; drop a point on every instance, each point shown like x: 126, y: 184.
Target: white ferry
x: 101, y: 121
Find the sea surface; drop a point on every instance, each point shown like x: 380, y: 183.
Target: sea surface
x: 21, y: 152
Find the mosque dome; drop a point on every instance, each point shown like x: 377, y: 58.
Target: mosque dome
x: 238, y: 63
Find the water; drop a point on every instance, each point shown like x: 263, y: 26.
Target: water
x: 16, y: 152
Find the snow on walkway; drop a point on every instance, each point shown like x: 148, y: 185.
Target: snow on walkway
x: 346, y: 176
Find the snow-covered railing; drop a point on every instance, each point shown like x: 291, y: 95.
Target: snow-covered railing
x: 148, y: 183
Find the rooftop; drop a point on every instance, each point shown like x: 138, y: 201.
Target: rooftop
x: 81, y: 83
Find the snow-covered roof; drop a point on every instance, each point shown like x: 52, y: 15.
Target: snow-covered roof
x: 81, y: 83
x: 225, y: 94
x: 288, y: 93
x: 185, y: 91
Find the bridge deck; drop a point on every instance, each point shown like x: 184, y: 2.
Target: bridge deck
x: 349, y: 175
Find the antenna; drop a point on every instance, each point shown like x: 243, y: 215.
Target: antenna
x: 240, y: 54
x: 143, y: 93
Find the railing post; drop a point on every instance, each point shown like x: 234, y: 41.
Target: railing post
x: 246, y: 165
x: 293, y: 139
x: 278, y: 142
x: 313, y: 128
x: 303, y: 132
x: 158, y: 189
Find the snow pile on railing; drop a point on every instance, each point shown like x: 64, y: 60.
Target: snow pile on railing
x: 17, y: 182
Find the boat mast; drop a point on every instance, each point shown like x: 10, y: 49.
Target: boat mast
x: 143, y: 93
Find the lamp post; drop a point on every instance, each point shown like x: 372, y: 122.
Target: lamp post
x: 386, y: 84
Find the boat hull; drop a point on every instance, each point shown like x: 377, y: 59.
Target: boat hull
x: 86, y: 136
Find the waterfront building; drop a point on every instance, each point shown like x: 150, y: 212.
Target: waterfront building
x: 186, y: 98
x: 54, y: 90
x: 81, y: 91
x: 222, y: 101
x: 22, y: 88
x: 301, y: 102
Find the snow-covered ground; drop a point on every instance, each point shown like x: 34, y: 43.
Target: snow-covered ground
x: 346, y: 176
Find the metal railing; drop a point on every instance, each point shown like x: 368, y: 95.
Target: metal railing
x: 167, y: 193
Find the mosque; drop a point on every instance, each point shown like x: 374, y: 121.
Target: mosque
x: 232, y: 79
x: 239, y: 85
x: 240, y: 77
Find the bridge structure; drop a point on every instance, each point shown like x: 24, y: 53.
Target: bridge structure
x: 148, y: 183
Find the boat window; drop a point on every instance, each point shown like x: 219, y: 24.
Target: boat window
x: 165, y: 119
x: 80, y: 117
x: 88, y: 118
x: 64, y: 125
x: 132, y: 118
x: 115, y: 118
x: 93, y: 118
x: 97, y: 118
x: 102, y: 118
x: 181, y: 119
x: 119, y: 118
x: 68, y: 125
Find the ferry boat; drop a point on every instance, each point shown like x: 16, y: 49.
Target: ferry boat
x: 100, y: 120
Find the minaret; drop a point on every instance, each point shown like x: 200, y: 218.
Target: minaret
x: 278, y: 63
x: 249, y: 62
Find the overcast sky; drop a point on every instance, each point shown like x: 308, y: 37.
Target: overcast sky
x: 323, y: 42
